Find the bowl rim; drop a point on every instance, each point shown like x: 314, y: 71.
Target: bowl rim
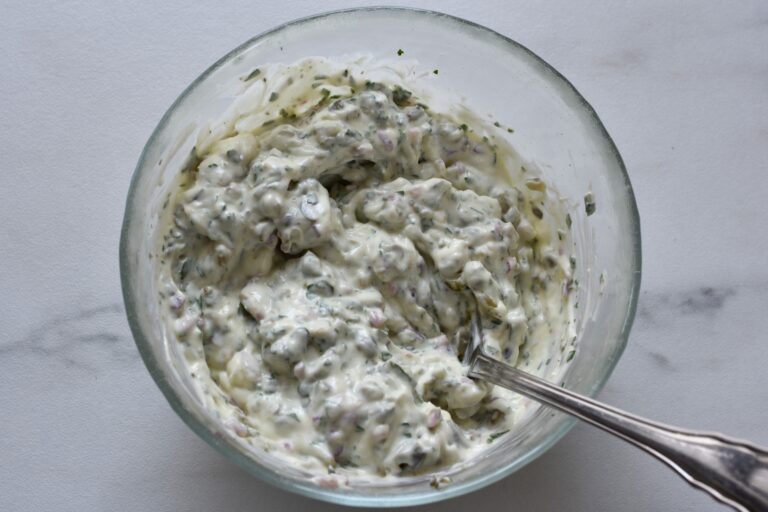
x: 339, y: 496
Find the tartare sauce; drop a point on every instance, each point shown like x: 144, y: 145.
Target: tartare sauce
x: 317, y: 261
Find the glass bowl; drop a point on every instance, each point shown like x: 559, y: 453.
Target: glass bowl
x: 554, y: 127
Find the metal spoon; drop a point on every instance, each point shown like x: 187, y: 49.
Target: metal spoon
x: 733, y: 472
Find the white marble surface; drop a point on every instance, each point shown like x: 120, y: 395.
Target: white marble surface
x: 682, y: 88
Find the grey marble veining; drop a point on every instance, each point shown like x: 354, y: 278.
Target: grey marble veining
x: 682, y: 87
x: 86, y: 340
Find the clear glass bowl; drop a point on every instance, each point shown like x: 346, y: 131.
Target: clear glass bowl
x: 554, y: 127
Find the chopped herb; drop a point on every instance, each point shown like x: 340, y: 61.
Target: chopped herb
x: 570, y: 356
x: 183, y: 270
x: 589, y: 203
x: 399, y: 370
x: 568, y: 220
x: 234, y: 156
x: 463, y: 127
x: 497, y: 124
x: 321, y: 288
x: 436, y: 482
x: 400, y: 96
x: 287, y: 114
x: 510, y: 130
x: 358, y: 428
x: 256, y: 72
x: 496, y: 435
x: 400, y: 52
x: 435, y: 71
x: 273, y: 96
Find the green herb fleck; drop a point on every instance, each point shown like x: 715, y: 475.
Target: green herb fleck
x: 256, y: 72
x: 400, y: 52
x: 568, y: 221
x: 510, y: 130
x: 435, y: 71
x: 400, y: 96
x: 463, y: 127
x: 497, y: 124
x: 184, y: 270
x: 570, y: 356
x: 273, y: 96
x: 399, y: 370
x: 287, y: 114
x: 234, y: 156
x: 589, y: 203
x: 358, y: 428
x: 436, y: 482
x: 496, y: 435
x: 320, y: 288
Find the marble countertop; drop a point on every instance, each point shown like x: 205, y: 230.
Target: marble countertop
x: 681, y: 86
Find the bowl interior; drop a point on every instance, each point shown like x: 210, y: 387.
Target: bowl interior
x: 553, y: 127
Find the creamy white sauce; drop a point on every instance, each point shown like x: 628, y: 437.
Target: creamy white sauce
x: 317, y: 262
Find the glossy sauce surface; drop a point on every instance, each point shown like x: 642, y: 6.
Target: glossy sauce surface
x: 317, y: 262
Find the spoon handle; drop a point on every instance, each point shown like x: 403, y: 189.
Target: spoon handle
x: 733, y: 472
